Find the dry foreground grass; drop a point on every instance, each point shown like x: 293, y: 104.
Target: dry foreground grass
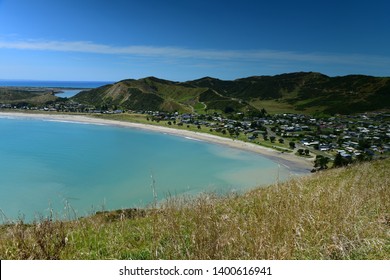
x: 338, y: 214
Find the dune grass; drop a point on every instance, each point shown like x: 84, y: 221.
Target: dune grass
x: 337, y: 214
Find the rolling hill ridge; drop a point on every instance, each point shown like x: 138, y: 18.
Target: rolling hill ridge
x: 306, y: 92
x: 300, y: 92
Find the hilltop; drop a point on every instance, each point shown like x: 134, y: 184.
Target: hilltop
x: 341, y: 213
x: 304, y: 92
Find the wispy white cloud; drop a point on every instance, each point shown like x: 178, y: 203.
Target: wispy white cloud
x: 180, y: 53
x: 90, y: 47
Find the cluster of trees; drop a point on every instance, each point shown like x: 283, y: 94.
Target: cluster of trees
x: 302, y: 152
x: 322, y: 162
x: 340, y: 161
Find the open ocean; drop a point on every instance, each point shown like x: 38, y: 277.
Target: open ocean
x: 53, y: 84
x: 69, y: 88
x: 77, y: 168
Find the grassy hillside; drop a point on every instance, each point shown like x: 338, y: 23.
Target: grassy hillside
x: 337, y: 214
x: 144, y: 94
x: 305, y: 92
x: 302, y: 92
x: 155, y: 94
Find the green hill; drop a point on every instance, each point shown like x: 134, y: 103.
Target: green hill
x: 305, y: 92
x: 302, y: 92
x: 336, y: 214
x: 156, y: 94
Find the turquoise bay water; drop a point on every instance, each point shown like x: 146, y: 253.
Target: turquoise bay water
x: 77, y: 169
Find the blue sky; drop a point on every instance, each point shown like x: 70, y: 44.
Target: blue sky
x: 183, y: 40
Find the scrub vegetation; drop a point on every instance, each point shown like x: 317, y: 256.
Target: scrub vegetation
x: 341, y: 213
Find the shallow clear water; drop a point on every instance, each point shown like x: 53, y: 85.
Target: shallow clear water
x: 76, y: 168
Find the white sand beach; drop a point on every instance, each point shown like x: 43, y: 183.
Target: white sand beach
x: 294, y: 163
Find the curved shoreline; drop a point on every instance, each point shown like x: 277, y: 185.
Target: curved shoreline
x: 292, y: 162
